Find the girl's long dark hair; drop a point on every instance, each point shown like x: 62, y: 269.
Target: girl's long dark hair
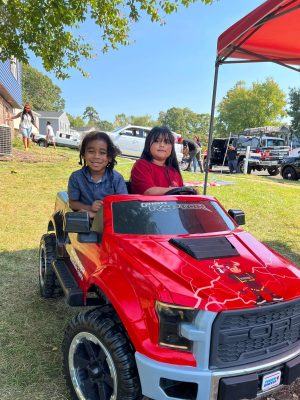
x: 27, y: 112
x: 112, y: 150
x: 155, y: 134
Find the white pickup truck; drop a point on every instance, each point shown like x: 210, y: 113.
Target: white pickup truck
x: 61, y: 139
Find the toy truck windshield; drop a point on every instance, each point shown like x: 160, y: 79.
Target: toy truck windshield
x: 169, y: 217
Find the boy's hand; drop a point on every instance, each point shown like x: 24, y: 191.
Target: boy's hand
x: 96, y: 205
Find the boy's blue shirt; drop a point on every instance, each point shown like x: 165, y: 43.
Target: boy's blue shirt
x: 83, y: 188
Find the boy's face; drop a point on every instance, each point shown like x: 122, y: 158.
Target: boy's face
x: 96, y: 157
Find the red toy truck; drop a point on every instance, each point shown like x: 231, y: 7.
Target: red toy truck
x: 182, y: 303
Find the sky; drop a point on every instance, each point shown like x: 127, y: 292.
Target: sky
x: 165, y: 66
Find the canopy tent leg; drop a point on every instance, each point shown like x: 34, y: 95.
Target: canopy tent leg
x: 211, y: 124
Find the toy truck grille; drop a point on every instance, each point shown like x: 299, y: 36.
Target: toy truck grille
x: 242, y: 337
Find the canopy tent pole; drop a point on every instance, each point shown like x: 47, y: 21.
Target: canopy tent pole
x: 211, y: 124
x: 247, y: 34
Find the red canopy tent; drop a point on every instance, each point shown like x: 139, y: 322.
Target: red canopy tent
x: 270, y: 33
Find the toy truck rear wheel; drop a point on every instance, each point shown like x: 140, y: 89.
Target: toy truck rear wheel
x: 49, y: 285
x: 99, y: 361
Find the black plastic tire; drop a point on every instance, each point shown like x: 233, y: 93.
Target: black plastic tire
x: 289, y: 173
x: 99, y: 361
x: 49, y: 285
x: 42, y: 143
x: 273, y: 171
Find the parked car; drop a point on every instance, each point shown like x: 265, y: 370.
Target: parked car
x: 266, y: 152
x: 290, y: 168
x: 131, y: 139
x: 61, y: 139
x: 181, y: 303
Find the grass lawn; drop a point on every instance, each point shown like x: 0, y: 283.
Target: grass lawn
x: 31, y: 329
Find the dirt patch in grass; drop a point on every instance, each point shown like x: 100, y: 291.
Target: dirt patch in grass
x: 31, y: 156
x: 291, y: 392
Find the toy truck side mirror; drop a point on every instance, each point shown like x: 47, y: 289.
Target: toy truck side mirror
x: 77, y: 222
x: 238, y: 216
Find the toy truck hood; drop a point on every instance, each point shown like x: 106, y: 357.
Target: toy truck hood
x: 252, y: 275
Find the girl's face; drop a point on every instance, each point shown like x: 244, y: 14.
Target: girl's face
x: 96, y: 157
x: 161, y: 149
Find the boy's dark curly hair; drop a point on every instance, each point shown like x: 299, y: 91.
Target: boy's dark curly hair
x: 112, y: 150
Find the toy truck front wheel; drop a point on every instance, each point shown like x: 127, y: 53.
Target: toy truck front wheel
x: 99, y: 361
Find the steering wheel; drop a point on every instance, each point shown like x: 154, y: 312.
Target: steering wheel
x: 182, y: 190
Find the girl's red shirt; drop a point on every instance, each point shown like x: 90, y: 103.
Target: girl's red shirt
x: 145, y: 174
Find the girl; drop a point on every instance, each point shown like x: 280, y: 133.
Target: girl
x: 96, y: 179
x: 157, y: 171
x: 27, y: 120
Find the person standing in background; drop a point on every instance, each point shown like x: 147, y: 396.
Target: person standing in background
x: 198, y: 157
x: 26, y: 123
x: 50, y: 137
x: 232, y: 159
x: 193, y: 150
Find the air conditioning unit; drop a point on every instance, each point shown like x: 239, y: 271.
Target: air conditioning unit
x: 5, y: 140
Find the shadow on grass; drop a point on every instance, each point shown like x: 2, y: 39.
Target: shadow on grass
x: 31, y: 332
x: 284, y: 250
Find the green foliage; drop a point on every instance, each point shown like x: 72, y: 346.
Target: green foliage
x: 261, y: 105
x: 294, y: 110
x: 143, y: 120
x: 105, y: 126
x: 91, y: 115
x: 49, y: 29
x: 76, y: 121
x: 121, y: 120
x: 93, y: 120
x: 40, y: 91
x: 186, y: 122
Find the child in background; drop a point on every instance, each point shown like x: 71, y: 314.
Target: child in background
x: 50, y: 137
x: 96, y: 179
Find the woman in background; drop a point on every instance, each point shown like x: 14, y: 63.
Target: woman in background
x: 26, y: 123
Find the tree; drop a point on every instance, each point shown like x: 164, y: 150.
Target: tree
x: 186, y: 122
x: 294, y: 110
x: 39, y: 90
x: 121, y: 120
x: 91, y: 115
x: 49, y: 29
x: 143, y: 120
x: 76, y: 121
x: 105, y: 126
x: 262, y: 104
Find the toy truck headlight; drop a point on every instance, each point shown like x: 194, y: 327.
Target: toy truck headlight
x: 170, y: 319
